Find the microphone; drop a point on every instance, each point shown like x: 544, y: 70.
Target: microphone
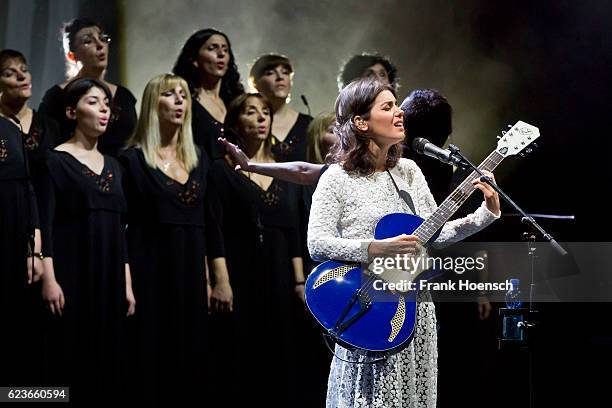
x: 303, y: 97
x: 424, y: 146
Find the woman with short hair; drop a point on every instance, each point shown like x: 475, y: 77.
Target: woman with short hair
x: 86, y: 51
x: 272, y: 76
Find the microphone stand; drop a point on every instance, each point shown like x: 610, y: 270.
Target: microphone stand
x: 461, y: 161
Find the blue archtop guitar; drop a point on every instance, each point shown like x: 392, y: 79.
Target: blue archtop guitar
x: 348, y: 300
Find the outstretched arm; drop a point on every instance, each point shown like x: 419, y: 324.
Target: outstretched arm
x: 295, y: 172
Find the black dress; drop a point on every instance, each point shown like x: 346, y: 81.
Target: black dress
x: 17, y: 215
x: 293, y: 148
x: 206, y: 130
x: 41, y: 138
x: 257, y: 232
x: 121, y: 125
x: 80, y: 214
x: 166, y: 248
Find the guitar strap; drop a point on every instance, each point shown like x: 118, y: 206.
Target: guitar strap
x: 403, y: 192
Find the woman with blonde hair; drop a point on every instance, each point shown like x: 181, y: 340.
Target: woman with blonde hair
x: 165, y: 181
x: 321, y: 137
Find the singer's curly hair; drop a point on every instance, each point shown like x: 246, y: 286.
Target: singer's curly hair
x: 352, y: 150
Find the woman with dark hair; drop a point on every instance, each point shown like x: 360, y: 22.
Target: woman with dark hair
x: 351, y: 196
x: 37, y: 134
x: 165, y: 183
x: 18, y: 218
x: 373, y: 66
x: 255, y: 248
x: 86, y: 52
x: 272, y: 76
x: 87, y: 283
x: 208, y: 65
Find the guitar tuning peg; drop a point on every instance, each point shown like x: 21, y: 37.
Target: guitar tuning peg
x: 509, y: 126
x: 503, y: 132
x: 498, y: 137
x: 522, y: 154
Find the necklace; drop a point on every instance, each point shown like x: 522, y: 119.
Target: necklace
x: 165, y: 163
x: 166, y: 166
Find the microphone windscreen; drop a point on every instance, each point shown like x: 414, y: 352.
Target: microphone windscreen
x: 418, y: 144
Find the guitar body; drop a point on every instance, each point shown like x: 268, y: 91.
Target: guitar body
x: 388, y: 324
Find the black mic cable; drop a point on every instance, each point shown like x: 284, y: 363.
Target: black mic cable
x: 303, y: 97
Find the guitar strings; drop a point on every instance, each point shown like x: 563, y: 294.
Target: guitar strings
x: 450, y: 204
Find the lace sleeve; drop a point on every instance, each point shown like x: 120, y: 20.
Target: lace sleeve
x: 455, y: 230
x: 324, y: 234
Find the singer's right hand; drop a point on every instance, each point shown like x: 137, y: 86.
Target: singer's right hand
x: 236, y: 154
x: 401, y: 244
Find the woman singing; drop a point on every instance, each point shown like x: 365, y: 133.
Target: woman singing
x: 272, y: 76
x: 39, y: 132
x: 86, y: 52
x: 86, y: 283
x: 165, y: 182
x: 36, y: 135
x: 208, y: 65
x: 255, y: 242
x: 352, y: 195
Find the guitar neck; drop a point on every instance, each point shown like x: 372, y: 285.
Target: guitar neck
x: 452, y: 203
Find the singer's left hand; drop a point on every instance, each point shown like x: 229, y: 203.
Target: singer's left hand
x: 241, y: 159
x: 491, y: 197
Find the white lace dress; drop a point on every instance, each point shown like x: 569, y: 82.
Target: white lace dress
x: 345, y: 210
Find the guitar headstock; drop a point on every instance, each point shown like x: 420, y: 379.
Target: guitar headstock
x: 517, y: 138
